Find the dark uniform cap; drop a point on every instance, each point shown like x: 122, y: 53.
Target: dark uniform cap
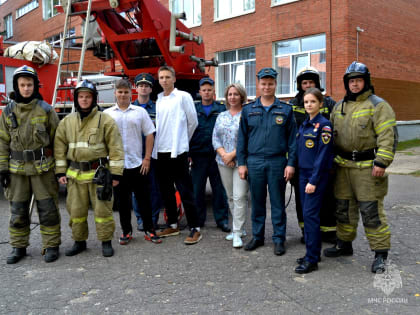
x: 267, y: 72
x: 206, y: 80
x: 144, y: 78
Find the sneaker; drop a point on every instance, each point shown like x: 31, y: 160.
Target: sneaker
x: 125, y: 239
x: 193, y: 238
x: 229, y: 237
x: 237, y: 241
x: 168, y: 232
x: 148, y: 236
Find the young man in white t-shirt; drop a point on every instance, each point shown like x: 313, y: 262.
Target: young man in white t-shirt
x: 176, y: 120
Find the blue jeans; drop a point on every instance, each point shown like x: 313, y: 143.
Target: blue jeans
x: 155, y: 197
x: 264, y: 172
x: 203, y: 167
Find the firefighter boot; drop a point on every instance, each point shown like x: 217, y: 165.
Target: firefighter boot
x: 16, y: 255
x: 341, y: 248
x: 107, y: 250
x: 51, y: 254
x: 378, y: 265
x: 77, y: 248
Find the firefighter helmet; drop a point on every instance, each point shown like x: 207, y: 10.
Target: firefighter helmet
x: 25, y: 71
x: 88, y: 86
x: 308, y: 73
x: 357, y: 70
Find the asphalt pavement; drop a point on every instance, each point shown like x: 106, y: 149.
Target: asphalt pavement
x: 211, y: 277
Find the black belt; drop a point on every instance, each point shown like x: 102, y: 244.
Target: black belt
x: 358, y: 155
x: 30, y: 155
x: 87, y: 166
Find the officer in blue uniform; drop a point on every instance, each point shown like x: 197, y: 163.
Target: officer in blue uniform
x: 266, y: 153
x: 315, y: 157
x: 144, y: 84
x: 203, y: 158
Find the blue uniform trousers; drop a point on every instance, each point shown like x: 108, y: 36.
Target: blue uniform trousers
x: 311, y: 205
x: 204, y: 166
x: 155, y: 197
x: 263, y: 172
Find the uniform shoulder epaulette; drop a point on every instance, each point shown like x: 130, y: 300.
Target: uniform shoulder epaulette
x: 9, y: 107
x: 45, y: 106
x: 375, y: 99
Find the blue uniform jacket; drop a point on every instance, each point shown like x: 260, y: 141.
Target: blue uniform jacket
x: 315, y: 146
x: 267, y: 134
x: 201, y: 141
x: 150, y: 108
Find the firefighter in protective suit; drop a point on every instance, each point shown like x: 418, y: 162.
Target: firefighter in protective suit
x: 309, y: 77
x: 365, y: 138
x: 27, y: 128
x: 90, y: 160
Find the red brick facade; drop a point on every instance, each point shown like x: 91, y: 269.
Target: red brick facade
x: 389, y: 44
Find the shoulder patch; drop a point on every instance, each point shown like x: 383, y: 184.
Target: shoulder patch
x: 45, y: 106
x: 375, y: 99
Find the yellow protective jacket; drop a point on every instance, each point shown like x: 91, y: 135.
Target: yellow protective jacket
x: 36, y: 125
x: 85, y: 140
x: 367, y: 123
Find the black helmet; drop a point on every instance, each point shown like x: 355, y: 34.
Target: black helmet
x: 357, y: 70
x: 88, y: 86
x: 26, y: 71
x: 308, y: 73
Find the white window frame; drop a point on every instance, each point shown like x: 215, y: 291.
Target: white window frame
x: 57, y: 42
x: 230, y: 63
x: 196, y: 7
x: 293, y: 71
x: 8, y: 26
x: 45, y: 6
x: 232, y: 15
x: 28, y: 7
x: 275, y: 3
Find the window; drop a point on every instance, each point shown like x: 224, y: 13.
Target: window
x: 48, y: 8
x: 192, y: 9
x: 236, y: 66
x: 225, y: 9
x: 26, y: 8
x: 2, y: 1
x: 279, y: 2
x: 292, y: 55
x: 55, y: 40
x: 8, y: 26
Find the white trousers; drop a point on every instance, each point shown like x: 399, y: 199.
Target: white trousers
x: 237, y: 193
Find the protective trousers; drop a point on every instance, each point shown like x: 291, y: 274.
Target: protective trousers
x: 356, y: 189
x: 19, y: 193
x: 79, y: 197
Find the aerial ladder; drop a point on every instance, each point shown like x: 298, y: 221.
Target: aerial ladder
x: 141, y: 36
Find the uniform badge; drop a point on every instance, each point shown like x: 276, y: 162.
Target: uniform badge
x: 279, y: 120
x: 326, y: 137
x: 316, y: 127
x: 309, y: 143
